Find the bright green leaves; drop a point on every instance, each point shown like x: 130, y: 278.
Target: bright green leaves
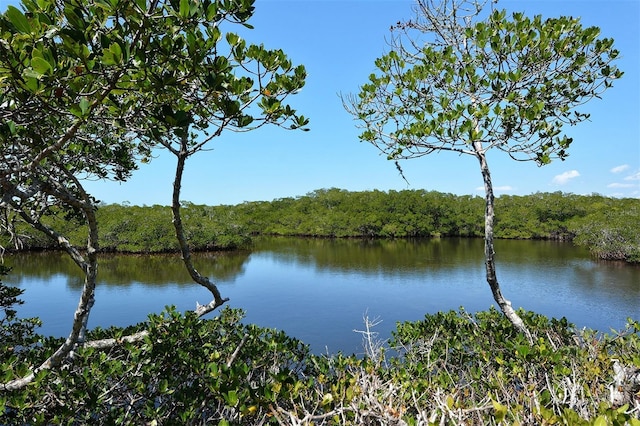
x: 18, y: 20
x: 509, y: 81
x: 187, y: 8
x: 88, y: 87
x: 272, y: 60
x: 299, y: 122
x: 112, y: 55
x: 40, y: 66
x: 81, y: 109
x: 105, y: 70
x: 212, y: 11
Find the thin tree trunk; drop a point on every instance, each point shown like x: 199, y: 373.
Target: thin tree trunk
x: 87, y: 297
x: 182, y: 155
x: 489, y: 252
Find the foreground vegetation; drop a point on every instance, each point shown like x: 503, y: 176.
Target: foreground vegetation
x: 449, y: 368
x: 607, y: 226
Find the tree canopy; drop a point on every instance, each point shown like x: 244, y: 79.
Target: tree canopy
x: 456, y: 75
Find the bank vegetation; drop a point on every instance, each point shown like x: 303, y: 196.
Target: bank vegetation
x: 607, y: 226
x: 450, y: 368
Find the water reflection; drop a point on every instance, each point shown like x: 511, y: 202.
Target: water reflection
x: 319, y: 289
x: 155, y: 270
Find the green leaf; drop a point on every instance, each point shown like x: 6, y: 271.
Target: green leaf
x: 232, y: 398
x: 212, y: 11
x: 116, y: 50
x: 31, y: 80
x: 500, y: 411
x: 232, y: 39
x: 18, y: 19
x: 185, y: 9
x: 84, y: 106
x: 41, y: 66
x: 12, y: 127
x: 327, y: 399
x: 450, y: 402
x: 600, y: 421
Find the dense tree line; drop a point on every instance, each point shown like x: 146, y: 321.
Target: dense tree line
x: 608, y: 226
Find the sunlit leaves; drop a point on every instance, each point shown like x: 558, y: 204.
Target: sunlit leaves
x: 18, y: 20
x: 112, y: 55
x: 86, y: 66
x: 89, y: 86
x: 518, y: 78
x: 81, y: 109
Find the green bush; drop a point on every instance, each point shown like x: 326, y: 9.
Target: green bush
x: 483, y: 371
x: 449, y: 368
x: 17, y: 335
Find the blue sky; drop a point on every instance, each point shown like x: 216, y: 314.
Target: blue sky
x: 338, y: 41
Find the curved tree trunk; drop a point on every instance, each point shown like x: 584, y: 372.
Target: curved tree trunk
x: 489, y: 252
x: 182, y: 155
x: 87, y: 298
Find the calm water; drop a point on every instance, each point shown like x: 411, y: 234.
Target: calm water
x: 319, y: 290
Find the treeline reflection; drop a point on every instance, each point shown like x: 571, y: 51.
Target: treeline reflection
x: 369, y: 257
x: 127, y: 269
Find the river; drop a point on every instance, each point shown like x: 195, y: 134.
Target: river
x: 319, y: 290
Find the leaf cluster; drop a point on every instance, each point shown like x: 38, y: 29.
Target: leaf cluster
x: 88, y: 88
x: 505, y: 82
x: 17, y: 334
x: 480, y: 361
x: 449, y: 368
x: 133, y: 229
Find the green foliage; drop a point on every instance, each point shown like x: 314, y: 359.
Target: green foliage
x: 484, y: 81
x: 375, y: 214
x: 88, y: 87
x: 471, y: 358
x: 186, y: 371
x: 449, y: 368
x: 144, y: 229
x: 149, y: 229
x: 16, y: 334
x: 461, y: 79
x: 607, y: 226
x: 610, y: 229
x: 19, y: 344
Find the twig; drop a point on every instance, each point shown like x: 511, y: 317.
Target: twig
x: 235, y: 353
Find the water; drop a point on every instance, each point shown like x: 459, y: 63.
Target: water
x: 320, y: 290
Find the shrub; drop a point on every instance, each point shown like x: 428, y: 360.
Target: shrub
x: 449, y: 368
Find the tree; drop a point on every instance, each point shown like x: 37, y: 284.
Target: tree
x: 89, y: 87
x: 239, y: 89
x: 461, y: 79
x: 62, y: 120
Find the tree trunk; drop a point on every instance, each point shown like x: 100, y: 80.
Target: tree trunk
x: 184, y: 246
x: 489, y: 252
x: 87, y: 297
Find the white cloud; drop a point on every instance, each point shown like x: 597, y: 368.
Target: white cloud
x: 635, y: 176
x: 621, y: 185
x: 563, y: 178
x: 619, y: 169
